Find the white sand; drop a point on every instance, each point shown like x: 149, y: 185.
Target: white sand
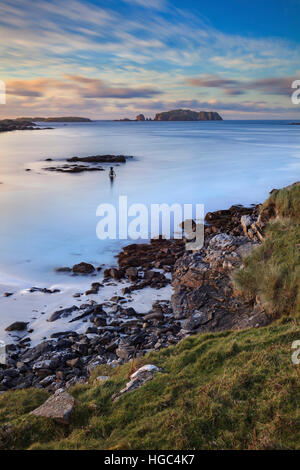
x: 36, y: 307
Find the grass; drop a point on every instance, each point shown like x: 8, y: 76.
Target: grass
x: 272, y: 271
x: 284, y: 203
x: 229, y: 390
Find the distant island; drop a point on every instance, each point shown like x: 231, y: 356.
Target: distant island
x: 188, y: 115
x: 58, y: 119
x: 180, y: 115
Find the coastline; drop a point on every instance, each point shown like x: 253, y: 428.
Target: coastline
x: 148, y: 302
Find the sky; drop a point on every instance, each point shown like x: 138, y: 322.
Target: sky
x: 115, y: 59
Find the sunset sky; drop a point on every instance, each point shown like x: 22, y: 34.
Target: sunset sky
x: 114, y: 59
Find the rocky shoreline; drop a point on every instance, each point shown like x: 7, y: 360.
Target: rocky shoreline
x: 8, y: 125
x: 203, y: 299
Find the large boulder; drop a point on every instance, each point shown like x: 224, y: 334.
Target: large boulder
x: 83, y: 268
x: 17, y: 326
x: 58, y: 407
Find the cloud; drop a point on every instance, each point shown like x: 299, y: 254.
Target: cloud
x: 211, y: 81
x: 96, y: 88
x: 269, y: 85
x: 139, y: 54
x: 78, y: 85
x: 155, y: 4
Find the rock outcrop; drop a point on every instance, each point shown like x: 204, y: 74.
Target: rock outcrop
x: 187, y: 115
x: 58, y: 407
x: 99, y: 159
x: 7, y: 125
x: 139, y: 378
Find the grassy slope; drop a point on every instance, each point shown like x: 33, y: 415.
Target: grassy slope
x: 272, y: 271
x: 232, y: 390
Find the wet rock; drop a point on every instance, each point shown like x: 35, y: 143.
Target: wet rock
x: 94, y: 288
x: 8, y: 294
x: 131, y: 273
x: 83, y: 268
x: 43, y: 290
x: 100, y: 159
x: 63, y: 269
x: 73, y: 168
x: 17, y: 326
x: 63, y: 313
x: 154, y: 315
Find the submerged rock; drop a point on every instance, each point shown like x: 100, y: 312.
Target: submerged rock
x: 83, y: 268
x: 17, y: 326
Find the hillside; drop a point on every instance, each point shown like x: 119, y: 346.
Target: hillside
x: 229, y: 390
x: 216, y: 390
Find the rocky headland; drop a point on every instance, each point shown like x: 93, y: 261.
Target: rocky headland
x: 8, y: 125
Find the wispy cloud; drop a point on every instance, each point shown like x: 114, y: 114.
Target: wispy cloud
x: 155, y: 4
x: 268, y: 85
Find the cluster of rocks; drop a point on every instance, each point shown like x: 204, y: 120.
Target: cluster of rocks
x: 114, y: 334
x: 73, y: 168
x: 92, y: 163
x: 229, y: 220
x: 203, y: 300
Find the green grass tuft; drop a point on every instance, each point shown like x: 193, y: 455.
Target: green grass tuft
x: 228, y: 390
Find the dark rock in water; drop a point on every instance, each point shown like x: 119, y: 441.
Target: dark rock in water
x: 99, y: 159
x: 8, y: 294
x: 94, y: 288
x: 83, y: 268
x: 65, y: 312
x: 17, y: 326
x: 140, y: 117
x: 73, y: 168
x: 63, y: 269
x: 43, y: 290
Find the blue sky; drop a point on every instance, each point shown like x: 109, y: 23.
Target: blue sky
x: 110, y: 59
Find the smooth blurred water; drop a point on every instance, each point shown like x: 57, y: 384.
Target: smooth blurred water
x: 49, y: 219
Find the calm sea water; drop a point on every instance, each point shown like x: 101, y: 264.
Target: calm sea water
x: 49, y: 219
